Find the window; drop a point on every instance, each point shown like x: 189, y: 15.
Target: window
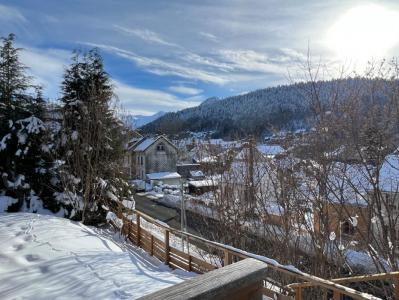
x: 347, y: 228
x: 161, y: 147
x: 141, y: 160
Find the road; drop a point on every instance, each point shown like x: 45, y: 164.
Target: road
x: 158, y: 211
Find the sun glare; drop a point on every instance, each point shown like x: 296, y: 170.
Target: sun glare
x: 364, y: 33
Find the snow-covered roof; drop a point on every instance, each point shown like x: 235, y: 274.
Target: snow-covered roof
x: 196, y: 173
x: 163, y: 175
x: 389, y: 174
x: 202, y: 183
x: 145, y: 143
x: 270, y: 150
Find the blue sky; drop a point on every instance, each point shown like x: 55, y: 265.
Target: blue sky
x: 168, y: 55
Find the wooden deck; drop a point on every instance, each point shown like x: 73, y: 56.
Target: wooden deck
x: 178, y: 259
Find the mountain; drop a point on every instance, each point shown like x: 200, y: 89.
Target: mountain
x: 139, y: 120
x: 209, y: 101
x: 256, y: 113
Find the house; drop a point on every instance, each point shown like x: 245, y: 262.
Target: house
x: 190, y: 171
x: 152, y: 155
x: 168, y: 178
x: 199, y: 187
x: 133, y: 138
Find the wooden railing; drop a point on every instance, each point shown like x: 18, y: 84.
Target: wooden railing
x: 242, y: 280
x: 178, y: 259
x: 391, y: 276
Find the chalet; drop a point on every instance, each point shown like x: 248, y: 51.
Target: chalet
x: 152, y: 155
x: 133, y: 138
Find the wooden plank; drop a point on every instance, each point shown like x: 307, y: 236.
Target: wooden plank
x: 223, y: 283
x: 152, y: 245
x: 179, y: 253
x: 336, y: 295
x: 362, y: 278
x: 182, y: 265
x: 298, y: 293
x: 227, y: 257
x: 166, y: 246
x: 160, y: 255
x: 138, y: 229
x: 202, y: 264
x: 175, y: 256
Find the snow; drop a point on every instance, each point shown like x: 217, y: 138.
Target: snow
x: 44, y: 257
x: 142, y: 146
x: 270, y: 150
x: 5, y: 202
x: 389, y: 174
x: 74, y: 135
x: 196, y: 173
x: 202, y: 183
x: 163, y: 175
x: 3, y: 144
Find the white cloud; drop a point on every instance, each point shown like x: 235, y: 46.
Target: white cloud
x: 250, y: 60
x: 147, y: 101
x: 209, y: 36
x: 11, y: 14
x: 162, y: 67
x: 145, y: 34
x: 46, y: 66
x: 185, y: 90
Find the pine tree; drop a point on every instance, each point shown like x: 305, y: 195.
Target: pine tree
x: 92, y: 139
x: 21, y: 127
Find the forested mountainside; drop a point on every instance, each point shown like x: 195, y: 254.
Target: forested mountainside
x: 259, y: 112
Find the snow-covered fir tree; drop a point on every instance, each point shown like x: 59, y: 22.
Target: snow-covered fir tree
x: 23, y: 163
x: 92, y: 141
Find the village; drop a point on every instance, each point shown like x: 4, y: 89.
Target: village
x: 201, y: 176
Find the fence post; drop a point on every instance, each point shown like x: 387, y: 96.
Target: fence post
x: 152, y: 245
x: 227, y: 257
x: 138, y: 230
x: 189, y: 263
x: 167, y: 247
x: 336, y: 295
x: 397, y: 287
x: 298, y: 293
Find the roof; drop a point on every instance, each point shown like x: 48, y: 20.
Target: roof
x: 202, y: 183
x: 145, y: 143
x: 270, y: 149
x: 163, y: 175
x: 196, y: 173
x: 389, y: 174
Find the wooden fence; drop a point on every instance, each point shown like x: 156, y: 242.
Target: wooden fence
x: 178, y: 259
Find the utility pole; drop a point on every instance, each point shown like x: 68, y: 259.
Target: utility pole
x: 183, y: 220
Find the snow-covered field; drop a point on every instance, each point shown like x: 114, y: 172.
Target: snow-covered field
x: 45, y: 257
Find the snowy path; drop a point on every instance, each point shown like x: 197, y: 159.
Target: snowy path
x: 44, y: 257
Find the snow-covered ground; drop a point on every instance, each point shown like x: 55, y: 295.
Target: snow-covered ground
x: 45, y: 257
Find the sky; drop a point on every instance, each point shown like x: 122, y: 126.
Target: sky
x: 169, y: 55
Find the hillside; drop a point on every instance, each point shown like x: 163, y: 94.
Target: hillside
x: 257, y: 113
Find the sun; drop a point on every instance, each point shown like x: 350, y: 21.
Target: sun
x: 364, y: 33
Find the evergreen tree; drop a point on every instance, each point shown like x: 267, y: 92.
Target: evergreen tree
x: 21, y: 128
x: 92, y: 139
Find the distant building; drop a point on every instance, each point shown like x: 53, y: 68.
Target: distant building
x: 152, y: 155
x: 190, y: 171
x: 169, y: 178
